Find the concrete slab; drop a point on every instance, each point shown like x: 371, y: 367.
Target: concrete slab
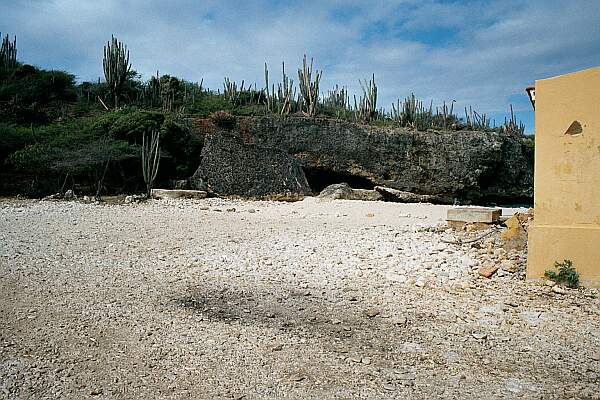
x: 474, y: 214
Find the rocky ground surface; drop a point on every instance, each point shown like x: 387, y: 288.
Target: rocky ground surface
x: 211, y: 299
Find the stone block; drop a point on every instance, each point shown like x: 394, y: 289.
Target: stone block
x: 474, y: 214
x: 178, y: 194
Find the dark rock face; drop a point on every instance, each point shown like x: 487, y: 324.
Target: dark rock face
x: 232, y: 167
x: 468, y: 165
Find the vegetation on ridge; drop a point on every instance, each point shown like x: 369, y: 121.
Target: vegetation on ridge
x: 55, y: 129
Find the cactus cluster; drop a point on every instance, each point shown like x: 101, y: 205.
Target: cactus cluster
x: 170, y: 93
x: 413, y: 114
x: 8, y: 53
x: 366, y: 108
x: 241, y: 95
x: 116, y: 67
x: 231, y: 90
x: 446, y: 115
x: 152, y: 91
x: 283, y: 100
x: 309, y: 87
x: 511, y: 126
x: 338, y: 100
x: 286, y: 93
x: 476, y: 121
x: 337, y: 97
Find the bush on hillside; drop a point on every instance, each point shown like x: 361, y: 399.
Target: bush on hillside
x: 32, y: 95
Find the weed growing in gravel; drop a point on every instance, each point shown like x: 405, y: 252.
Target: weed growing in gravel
x: 566, y: 274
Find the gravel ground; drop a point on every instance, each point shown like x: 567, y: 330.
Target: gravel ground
x: 258, y: 300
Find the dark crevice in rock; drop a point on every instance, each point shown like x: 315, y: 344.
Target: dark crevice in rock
x: 319, y: 178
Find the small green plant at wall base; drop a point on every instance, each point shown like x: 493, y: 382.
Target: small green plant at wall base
x: 566, y: 274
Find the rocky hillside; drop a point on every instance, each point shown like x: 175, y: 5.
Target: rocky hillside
x: 471, y: 166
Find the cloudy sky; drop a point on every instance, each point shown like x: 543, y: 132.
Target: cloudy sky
x: 480, y: 53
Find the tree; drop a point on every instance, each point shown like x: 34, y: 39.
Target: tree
x: 116, y: 67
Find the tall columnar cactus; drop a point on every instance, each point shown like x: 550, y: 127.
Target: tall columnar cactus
x: 270, y: 96
x: 150, y: 160
x: 285, y: 93
x: 8, y: 53
x: 152, y: 90
x: 116, y: 67
x: 309, y: 89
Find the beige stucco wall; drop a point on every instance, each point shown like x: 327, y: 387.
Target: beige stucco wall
x: 567, y: 175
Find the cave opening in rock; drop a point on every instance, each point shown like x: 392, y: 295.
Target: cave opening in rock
x: 318, y: 179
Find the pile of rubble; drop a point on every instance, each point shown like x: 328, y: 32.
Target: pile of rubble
x: 500, y: 243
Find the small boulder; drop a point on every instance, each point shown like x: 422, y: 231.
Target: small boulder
x: 372, y: 312
x: 69, y: 195
x: 366, y: 195
x: 488, y: 269
x: 515, y: 237
x: 338, y: 191
x: 559, y: 289
x: 400, y: 196
x: 343, y: 191
x: 509, y: 266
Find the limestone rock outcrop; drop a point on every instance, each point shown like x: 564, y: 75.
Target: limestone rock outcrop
x: 231, y: 166
x: 470, y: 166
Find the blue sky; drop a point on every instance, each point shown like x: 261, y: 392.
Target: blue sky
x: 479, y: 53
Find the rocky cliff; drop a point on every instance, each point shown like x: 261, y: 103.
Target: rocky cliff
x: 468, y: 165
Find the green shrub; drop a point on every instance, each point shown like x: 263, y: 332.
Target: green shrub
x: 529, y: 141
x: 74, y: 147
x: 210, y: 103
x: 566, y: 274
x: 32, y: 95
x: 249, y: 110
x: 223, y: 119
x: 131, y: 124
x: 13, y: 138
x: 181, y: 145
